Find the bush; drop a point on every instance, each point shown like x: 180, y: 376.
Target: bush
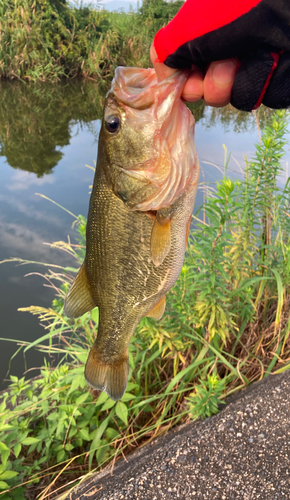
x: 45, y: 40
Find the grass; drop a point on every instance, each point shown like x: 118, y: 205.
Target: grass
x: 48, y: 40
x: 226, y: 325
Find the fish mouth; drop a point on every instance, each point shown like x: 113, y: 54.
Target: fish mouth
x: 172, y: 167
x: 139, y: 89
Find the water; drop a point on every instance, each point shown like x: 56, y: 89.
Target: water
x: 48, y: 134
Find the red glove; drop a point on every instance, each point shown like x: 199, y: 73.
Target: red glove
x: 257, y: 32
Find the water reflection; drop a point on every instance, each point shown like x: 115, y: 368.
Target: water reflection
x: 36, y: 121
x: 231, y: 118
x: 53, y: 130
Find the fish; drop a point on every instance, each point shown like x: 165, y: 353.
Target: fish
x: 139, y: 216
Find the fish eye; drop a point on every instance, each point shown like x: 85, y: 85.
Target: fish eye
x: 113, y: 123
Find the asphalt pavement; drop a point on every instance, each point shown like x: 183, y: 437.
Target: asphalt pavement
x: 241, y: 453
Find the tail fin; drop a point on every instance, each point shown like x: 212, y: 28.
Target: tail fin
x: 109, y: 377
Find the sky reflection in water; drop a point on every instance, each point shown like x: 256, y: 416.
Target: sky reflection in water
x: 47, y: 136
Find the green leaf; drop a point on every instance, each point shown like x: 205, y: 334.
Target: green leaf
x: 112, y: 433
x: 3, y: 447
x: 280, y: 297
x: 101, y: 453
x: 72, y: 432
x: 53, y: 416
x: 108, y: 405
x: 4, y: 486
x: 8, y: 474
x: 122, y: 412
x: 131, y: 386
x: 81, y: 399
x: 148, y: 408
x: 60, y: 456
x: 30, y: 440
x: 22, y: 437
x: 5, y: 427
x: 199, y: 360
x: 17, y: 449
x: 96, y: 441
x: 82, y: 356
x: 60, y: 429
x: 77, y: 381
x: 29, y: 394
x: 99, y: 433
x: 4, y: 456
x: 58, y: 448
x: 128, y: 397
x: 102, y: 398
x: 84, y: 434
x: 3, y: 406
x: 95, y: 315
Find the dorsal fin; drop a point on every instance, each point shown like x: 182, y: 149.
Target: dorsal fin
x: 79, y: 299
x: 158, y: 311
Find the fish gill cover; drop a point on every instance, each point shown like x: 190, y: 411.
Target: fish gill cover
x: 173, y: 166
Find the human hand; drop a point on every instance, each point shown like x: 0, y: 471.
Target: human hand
x: 236, y: 51
x: 215, y: 87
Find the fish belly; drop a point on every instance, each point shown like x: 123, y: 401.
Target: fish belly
x: 125, y: 283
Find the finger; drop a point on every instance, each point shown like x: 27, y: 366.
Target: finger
x: 193, y: 88
x: 218, y: 82
x: 162, y: 71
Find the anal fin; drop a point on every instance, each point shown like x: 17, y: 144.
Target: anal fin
x: 79, y: 299
x: 160, y: 239
x: 109, y: 377
x: 158, y: 310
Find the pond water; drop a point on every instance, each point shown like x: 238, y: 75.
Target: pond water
x: 48, y: 134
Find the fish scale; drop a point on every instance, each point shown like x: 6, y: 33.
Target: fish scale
x: 133, y: 257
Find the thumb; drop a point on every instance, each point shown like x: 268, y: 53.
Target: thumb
x: 162, y: 71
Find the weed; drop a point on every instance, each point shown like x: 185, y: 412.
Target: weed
x: 47, y: 40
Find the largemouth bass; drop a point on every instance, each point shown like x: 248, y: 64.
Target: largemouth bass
x: 139, y: 216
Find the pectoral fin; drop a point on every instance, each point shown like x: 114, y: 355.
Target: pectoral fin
x: 109, y: 377
x: 158, y: 311
x: 79, y: 299
x: 160, y: 239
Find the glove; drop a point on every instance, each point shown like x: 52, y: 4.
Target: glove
x: 257, y: 32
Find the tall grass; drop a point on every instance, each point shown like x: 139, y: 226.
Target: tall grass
x: 226, y: 324
x: 46, y: 40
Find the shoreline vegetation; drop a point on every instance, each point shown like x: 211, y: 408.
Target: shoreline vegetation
x: 226, y: 325
x: 226, y: 322
x: 48, y: 40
